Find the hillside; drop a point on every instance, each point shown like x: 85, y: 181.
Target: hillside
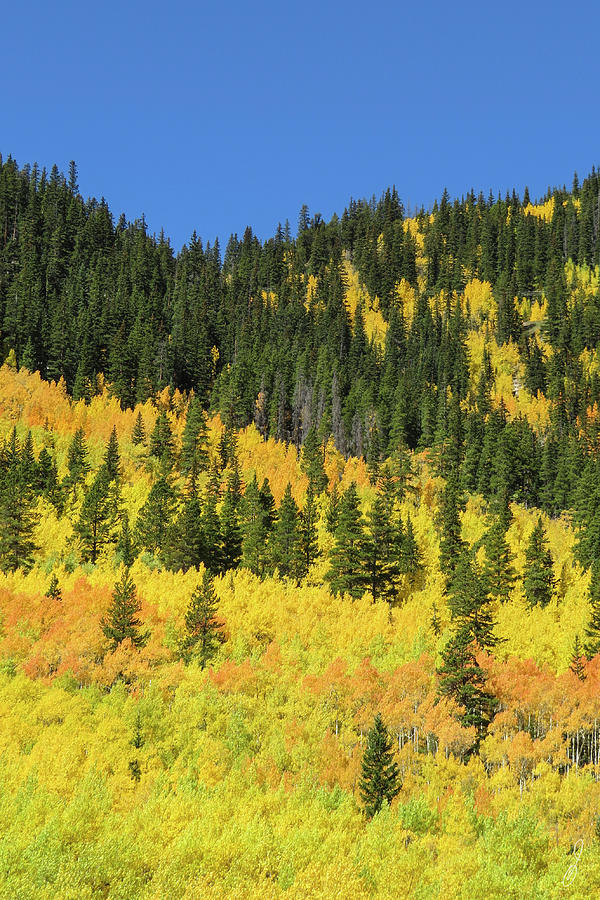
x: 250, y: 503
x: 248, y: 769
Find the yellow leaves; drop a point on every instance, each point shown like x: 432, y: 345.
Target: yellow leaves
x: 375, y: 324
x: 543, y: 211
x: 478, y: 298
x: 407, y: 298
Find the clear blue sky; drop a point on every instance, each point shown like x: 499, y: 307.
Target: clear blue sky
x: 215, y: 116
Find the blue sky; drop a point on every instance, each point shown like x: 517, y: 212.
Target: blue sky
x: 215, y: 116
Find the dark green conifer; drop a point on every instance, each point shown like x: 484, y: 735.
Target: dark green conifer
x: 231, y: 535
x: 203, y: 630
x: 112, y: 459
x: 577, y: 662
x: 77, y: 459
x: 312, y: 461
x: 254, y: 533
x: 498, y: 572
x: 194, y: 450
x: 125, y: 547
x: 138, y: 435
x: 156, y: 516
x: 121, y: 621
x: 161, y: 441
x: 346, y: 572
x: 54, y: 592
x: 592, y: 631
x: 380, y: 779
x: 538, y: 579
x: 285, y: 545
x: 307, y: 534
x: 96, y: 523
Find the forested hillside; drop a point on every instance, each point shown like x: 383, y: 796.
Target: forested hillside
x: 300, y: 551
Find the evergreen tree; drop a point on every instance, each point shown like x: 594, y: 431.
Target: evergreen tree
x: 285, y: 545
x: 312, y: 462
x: 333, y: 505
x: 54, y: 592
x: 538, y: 580
x: 96, y: 523
x: 17, y: 525
x: 112, y: 459
x: 185, y: 546
x: 380, y: 779
x: 254, y: 533
x: 156, y: 516
x: 203, y: 631
x: 469, y: 603
x: 462, y: 678
x: 161, y: 441
x: 125, y: 547
x: 121, y: 621
x: 307, y: 534
x: 577, y: 662
x: 436, y: 625
x: 211, y: 526
x: 498, y: 571
x: 346, y: 571
x: 383, y: 544
x: 77, y: 459
x: 411, y: 561
x: 451, y: 543
x: 231, y: 534
x: 194, y: 451
x: 138, y: 435
x: 592, y: 631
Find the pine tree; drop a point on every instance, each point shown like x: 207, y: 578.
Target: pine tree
x: 231, y: 535
x: 96, y: 523
x: 469, y: 603
x: 346, y: 572
x: 203, y: 631
x: 27, y: 463
x: 538, y: 580
x: 112, y: 459
x: 161, y: 441
x: 451, y: 543
x: 436, y: 625
x: 121, y: 621
x: 185, y: 546
x: 462, y: 678
x: 333, y: 505
x: 156, y: 516
x: 77, y: 459
x: 194, y: 451
x: 383, y: 544
x: 267, y: 501
x: 577, y: 662
x: 253, y: 529
x: 125, y: 547
x: 138, y: 435
x: 498, y: 572
x: 312, y: 462
x: 380, y: 779
x: 284, y: 545
x: 308, y: 547
x: 54, y: 592
x: 592, y: 631
x: 211, y: 526
x: 17, y: 525
x: 411, y: 561
x: 460, y: 675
